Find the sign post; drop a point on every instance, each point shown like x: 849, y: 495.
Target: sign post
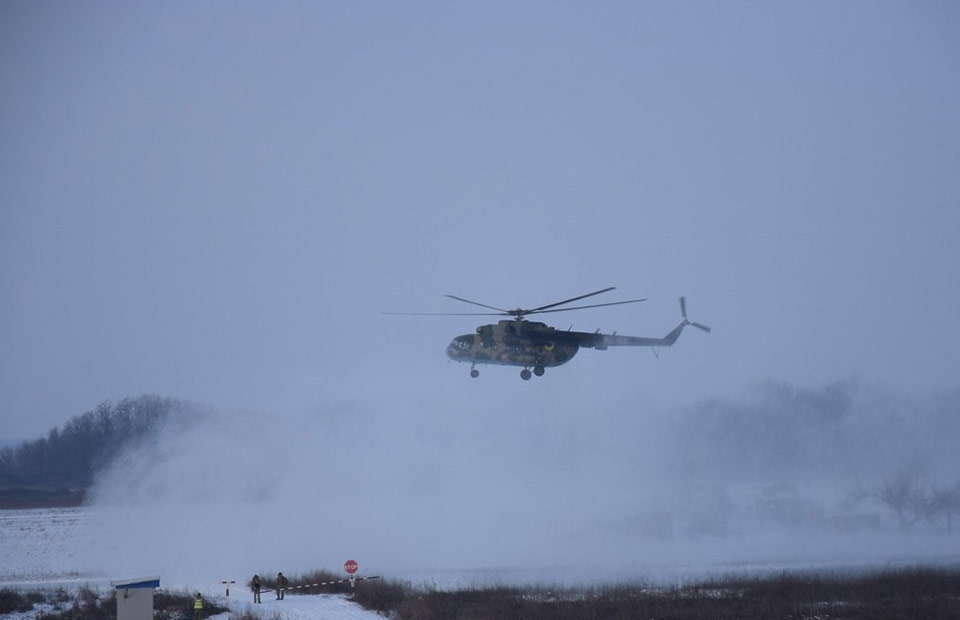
x: 350, y: 566
x: 227, y: 584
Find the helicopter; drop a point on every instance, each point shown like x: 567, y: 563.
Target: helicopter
x: 538, y: 346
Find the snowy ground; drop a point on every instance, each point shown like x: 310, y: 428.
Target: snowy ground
x: 303, y: 607
x: 38, y: 546
x: 38, y: 549
x: 47, y: 548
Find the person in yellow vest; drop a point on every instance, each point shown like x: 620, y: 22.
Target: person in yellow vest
x: 197, y: 607
x: 281, y: 585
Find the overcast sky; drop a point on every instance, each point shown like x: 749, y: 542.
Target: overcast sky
x: 216, y: 201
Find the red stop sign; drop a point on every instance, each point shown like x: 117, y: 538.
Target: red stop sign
x: 350, y: 566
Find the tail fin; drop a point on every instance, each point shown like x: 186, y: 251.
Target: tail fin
x: 670, y: 338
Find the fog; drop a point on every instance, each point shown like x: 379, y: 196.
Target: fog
x: 216, y: 202
x: 598, y: 487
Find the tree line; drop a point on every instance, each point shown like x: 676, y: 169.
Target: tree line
x: 898, y: 451
x: 71, y: 455
x: 779, y: 431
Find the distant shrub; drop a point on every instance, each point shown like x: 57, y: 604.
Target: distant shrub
x: 86, y: 604
x: 89, y: 604
x: 36, y: 597
x: 13, y: 601
x: 379, y: 595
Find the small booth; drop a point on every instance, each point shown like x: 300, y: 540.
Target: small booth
x: 135, y: 598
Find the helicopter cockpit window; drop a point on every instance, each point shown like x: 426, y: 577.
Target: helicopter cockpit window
x: 464, y: 342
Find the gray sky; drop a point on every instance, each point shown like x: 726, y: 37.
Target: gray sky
x: 215, y: 201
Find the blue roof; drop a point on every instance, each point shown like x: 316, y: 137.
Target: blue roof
x: 145, y: 582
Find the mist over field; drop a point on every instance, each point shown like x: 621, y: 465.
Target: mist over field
x: 217, y: 202
x: 597, y: 487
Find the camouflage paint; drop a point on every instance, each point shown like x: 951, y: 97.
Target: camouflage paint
x: 531, y: 344
x: 515, y: 343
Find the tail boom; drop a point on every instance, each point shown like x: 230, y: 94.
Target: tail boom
x: 602, y: 341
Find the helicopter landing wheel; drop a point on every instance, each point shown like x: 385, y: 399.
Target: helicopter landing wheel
x: 474, y: 373
x: 525, y: 374
x: 538, y: 370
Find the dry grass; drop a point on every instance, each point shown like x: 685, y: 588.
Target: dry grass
x: 929, y: 593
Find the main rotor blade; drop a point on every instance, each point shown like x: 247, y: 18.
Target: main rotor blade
x: 703, y: 327
x: 566, y: 301
x: 449, y: 313
x: 477, y: 304
x: 615, y: 303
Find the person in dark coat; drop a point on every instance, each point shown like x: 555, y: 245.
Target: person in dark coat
x: 281, y: 585
x: 255, y: 586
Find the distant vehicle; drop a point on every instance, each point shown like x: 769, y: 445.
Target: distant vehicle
x: 537, y: 346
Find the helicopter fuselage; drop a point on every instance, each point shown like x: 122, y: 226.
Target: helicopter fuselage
x: 529, y: 344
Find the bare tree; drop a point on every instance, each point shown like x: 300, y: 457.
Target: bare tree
x: 944, y: 502
x: 903, y: 494
x: 912, y: 499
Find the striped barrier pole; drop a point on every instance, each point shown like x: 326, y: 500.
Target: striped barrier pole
x: 329, y: 583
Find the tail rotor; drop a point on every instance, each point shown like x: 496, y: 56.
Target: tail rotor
x: 686, y: 321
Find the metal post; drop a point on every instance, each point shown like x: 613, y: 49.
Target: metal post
x: 227, y: 584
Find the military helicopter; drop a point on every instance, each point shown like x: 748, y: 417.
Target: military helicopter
x: 535, y: 345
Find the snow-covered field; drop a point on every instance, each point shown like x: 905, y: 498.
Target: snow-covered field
x: 41, y: 548
x: 51, y: 548
x: 305, y: 607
